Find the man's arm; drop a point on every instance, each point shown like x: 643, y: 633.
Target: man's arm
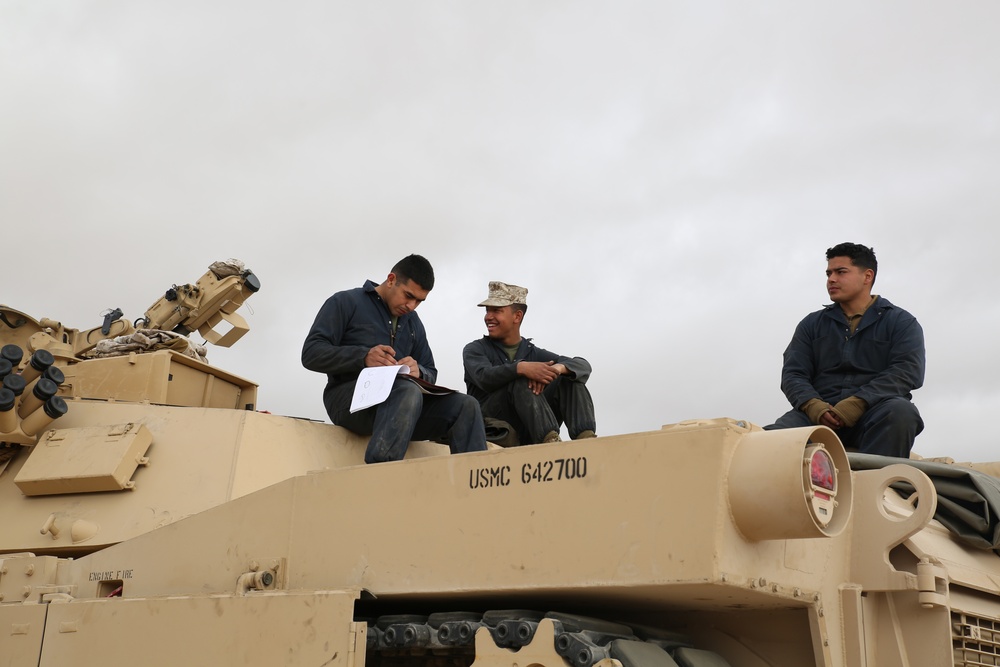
x: 420, y: 353
x: 797, y: 372
x: 480, y: 370
x: 544, y: 367
x: 905, y: 369
x: 799, y: 367
x: 322, y: 351
x: 577, y: 368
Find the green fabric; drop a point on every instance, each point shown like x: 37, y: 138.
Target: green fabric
x: 968, y: 500
x: 500, y: 432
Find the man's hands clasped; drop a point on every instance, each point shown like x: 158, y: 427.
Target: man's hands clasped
x: 540, y: 373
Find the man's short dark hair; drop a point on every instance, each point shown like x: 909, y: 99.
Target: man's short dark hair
x: 859, y: 255
x: 417, y: 269
x: 519, y: 308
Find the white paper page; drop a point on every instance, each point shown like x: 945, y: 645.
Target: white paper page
x: 374, y: 385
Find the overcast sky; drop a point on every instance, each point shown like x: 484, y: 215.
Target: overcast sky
x: 664, y: 177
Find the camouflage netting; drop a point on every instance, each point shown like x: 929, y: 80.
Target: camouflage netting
x: 149, y: 340
x: 7, y: 452
x: 230, y: 267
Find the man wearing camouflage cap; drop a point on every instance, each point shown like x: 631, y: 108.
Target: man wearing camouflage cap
x: 532, y: 389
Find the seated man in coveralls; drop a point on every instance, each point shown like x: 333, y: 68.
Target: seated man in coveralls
x: 532, y: 389
x: 852, y: 365
x: 375, y: 325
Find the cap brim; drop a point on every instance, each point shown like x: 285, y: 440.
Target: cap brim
x: 497, y: 302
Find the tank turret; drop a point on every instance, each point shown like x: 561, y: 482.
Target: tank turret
x: 151, y: 514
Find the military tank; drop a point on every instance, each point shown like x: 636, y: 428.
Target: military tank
x: 152, y: 515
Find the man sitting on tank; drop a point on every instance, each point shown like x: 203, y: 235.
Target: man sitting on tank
x: 375, y: 325
x: 853, y: 365
x: 532, y: 389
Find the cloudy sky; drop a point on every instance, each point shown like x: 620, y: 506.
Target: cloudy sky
x: 664, y: 177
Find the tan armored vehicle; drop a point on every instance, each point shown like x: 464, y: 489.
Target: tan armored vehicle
x: 152, y: 517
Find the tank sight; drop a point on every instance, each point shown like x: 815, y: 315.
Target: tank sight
x: 805, y: 472
x: 206, y: 304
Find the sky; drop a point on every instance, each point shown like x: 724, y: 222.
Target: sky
x: 664, y: 177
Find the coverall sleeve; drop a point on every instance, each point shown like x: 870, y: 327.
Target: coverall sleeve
x: 905, y: 371
x: 578, y: 367
x: 322, y: 351
x: 799, y: 367
x: 422, y: 354
x: 481, y: 372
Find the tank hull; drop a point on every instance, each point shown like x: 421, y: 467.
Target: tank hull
x: 638, y: 528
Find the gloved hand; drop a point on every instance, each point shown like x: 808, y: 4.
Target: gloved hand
x: 814, y: 409
x: 850, y: 410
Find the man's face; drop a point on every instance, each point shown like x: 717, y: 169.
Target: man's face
x: 403, y: 295
x: 846, y: 282
x: 501, y: 321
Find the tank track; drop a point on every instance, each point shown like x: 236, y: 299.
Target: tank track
x: 521, y: 637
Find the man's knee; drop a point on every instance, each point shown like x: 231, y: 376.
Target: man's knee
x: 468, y: 432
x: 520, y: 390
x: 899, y: 411
x: 896, y: 418
x: 889, y: 428
x: 406, y: 398
x: 467, y: 408
x: 574, y: 390
x: 524, y: 400
x: 394, y: 421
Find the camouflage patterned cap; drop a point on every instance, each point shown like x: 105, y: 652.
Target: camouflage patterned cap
x: 502, y: 294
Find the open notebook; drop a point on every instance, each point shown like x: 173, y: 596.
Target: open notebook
x: 375, y: 382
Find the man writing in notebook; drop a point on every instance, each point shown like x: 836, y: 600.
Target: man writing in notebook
x: 375, y: 325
